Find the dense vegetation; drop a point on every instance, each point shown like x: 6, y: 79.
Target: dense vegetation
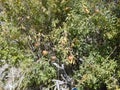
x: 84, y: 35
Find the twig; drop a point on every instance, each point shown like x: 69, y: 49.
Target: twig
x: 112, y: 52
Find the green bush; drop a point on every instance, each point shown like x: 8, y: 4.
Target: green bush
x: 36, y: 33
x: 95, y: 72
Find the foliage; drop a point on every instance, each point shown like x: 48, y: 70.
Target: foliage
x: 95, y: 72
x: 81, y: 34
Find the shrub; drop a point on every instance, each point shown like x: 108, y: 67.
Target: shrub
x: 82, y: 35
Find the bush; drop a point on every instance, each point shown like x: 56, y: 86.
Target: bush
x: 82, y: 35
